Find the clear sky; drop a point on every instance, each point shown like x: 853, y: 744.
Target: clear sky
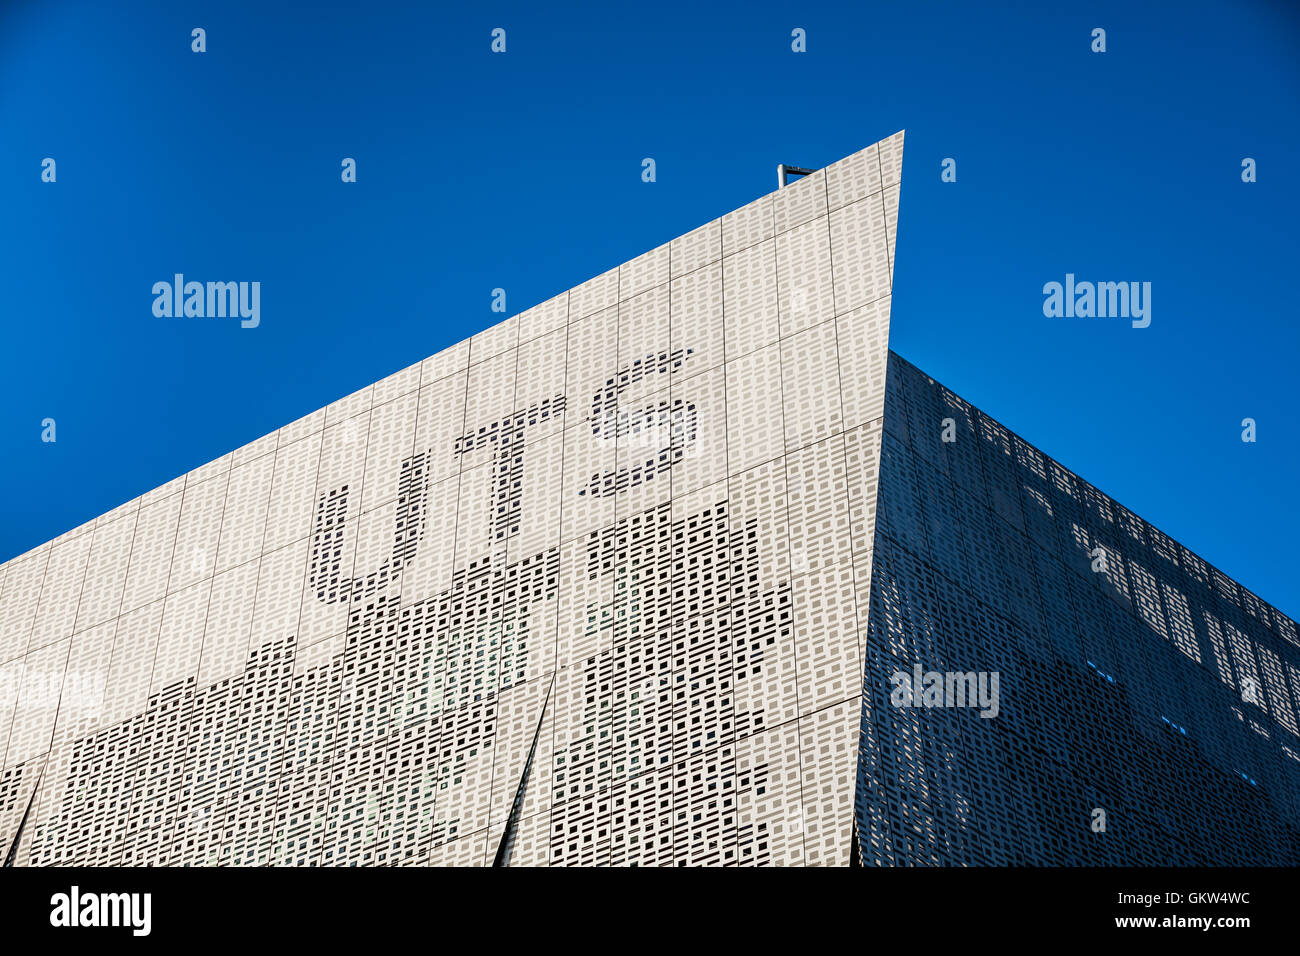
x: 522, y: 171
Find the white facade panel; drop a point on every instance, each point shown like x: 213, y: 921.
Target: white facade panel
x: 587, y: 588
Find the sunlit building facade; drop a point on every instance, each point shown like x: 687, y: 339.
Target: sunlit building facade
x: 628, y: 579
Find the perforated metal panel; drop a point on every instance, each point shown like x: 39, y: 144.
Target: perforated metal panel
x: 587, y: 588
x: 1156, y: 690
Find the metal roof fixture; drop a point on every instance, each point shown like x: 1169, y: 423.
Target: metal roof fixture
x: 782, y: 171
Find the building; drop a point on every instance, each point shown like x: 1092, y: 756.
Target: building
x: 601, y: 585
x: 1135, y: 678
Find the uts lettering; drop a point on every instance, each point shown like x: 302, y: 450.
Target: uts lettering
x: 654, y: 434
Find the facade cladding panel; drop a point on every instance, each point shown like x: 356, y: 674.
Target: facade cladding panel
x: 1147, y: 685
x: 597, y: 586
x: 588, y: 588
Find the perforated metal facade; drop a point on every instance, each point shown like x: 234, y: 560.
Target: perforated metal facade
x: 586, y: 588
x: 1135, y: 678
x: 625, y: 580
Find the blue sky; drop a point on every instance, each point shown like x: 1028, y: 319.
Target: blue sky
x: 522, y: 171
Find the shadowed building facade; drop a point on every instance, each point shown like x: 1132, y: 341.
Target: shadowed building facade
x: 624, y: 580
x: 1135, y: 678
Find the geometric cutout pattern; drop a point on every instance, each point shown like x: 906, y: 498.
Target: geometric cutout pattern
x: 1152, y: 686
x: 588, y: 587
